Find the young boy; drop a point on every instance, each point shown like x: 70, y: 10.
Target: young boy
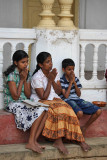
x: 71, y: 94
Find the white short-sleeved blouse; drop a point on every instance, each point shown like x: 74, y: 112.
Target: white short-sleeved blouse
x: 39, y: 80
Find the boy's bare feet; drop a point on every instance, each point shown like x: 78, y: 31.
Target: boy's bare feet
x: 60, y: 146
x: 33, y: 147
x: 85, y: 147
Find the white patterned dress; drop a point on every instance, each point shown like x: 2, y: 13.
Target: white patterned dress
x: 24, y: 115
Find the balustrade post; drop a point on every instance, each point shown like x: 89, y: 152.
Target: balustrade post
x: 13, y: 49
x: 1, y: 77
x: 82, y: 62
x: 46, y: 15
x: 106, y: 59
x: 95, y: 62
x: 26, y: 47
x: 65, y: 15
x: 33, y: 57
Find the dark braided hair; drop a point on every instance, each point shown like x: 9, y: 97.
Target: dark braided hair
x: 41, y: 57
x: 17, y: 56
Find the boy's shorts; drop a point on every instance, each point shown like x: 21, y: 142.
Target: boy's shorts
x: 82, y: 105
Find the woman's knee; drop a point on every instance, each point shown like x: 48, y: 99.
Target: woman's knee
x: 79, y: 114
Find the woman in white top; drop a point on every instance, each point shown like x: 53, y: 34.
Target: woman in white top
x: 61, y: 120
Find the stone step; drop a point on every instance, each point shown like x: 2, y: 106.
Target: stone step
x: 18, y: 151
x: 9, y: 134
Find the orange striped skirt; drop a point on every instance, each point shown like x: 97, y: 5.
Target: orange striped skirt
x: 61, y: 121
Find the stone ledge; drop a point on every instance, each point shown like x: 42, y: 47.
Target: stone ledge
x: 98, y: 128
x: 9, y: 134
x: 18, y: 151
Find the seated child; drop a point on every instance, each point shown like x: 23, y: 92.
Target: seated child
x: 71, y: 94
x: 17, y: 88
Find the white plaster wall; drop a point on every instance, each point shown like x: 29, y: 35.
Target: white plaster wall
x: 11, y: 13
x: 11, y: 16
x: 93, y: 16
x: 94, y: 94
x: 61, y: 45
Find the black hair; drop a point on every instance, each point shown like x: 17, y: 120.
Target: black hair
x: 17, y: 56
x: 41, y: 57
x: 67, y: 62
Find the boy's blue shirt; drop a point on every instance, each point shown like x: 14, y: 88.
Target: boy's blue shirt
x: 65, y: 84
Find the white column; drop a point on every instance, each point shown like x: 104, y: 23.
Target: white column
x: 60, y: 43
x: 95, y: 62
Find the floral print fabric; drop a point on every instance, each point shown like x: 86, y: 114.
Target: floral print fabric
x: 24, y: 115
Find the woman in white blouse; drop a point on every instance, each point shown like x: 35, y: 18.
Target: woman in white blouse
x: 61, y: 120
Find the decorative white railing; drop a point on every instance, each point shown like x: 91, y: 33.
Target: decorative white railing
x: 13, y: 37
x: 96, y: 38
x: 41, y: 40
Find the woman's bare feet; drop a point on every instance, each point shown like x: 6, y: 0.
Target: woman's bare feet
x: 85, y: 147
x: 60, y: 146
x: 42, y: 147
x: 33, y: 147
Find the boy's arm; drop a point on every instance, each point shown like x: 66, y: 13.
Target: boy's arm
x: 77, y: 90
x: 67, y: 92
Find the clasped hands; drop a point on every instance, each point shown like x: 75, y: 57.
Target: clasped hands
x: 72, y: 77
x: 52, y: 75
x: 24, y: 74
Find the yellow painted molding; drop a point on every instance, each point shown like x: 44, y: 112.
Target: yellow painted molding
x: 25, y: 14
x: 76, y: 12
